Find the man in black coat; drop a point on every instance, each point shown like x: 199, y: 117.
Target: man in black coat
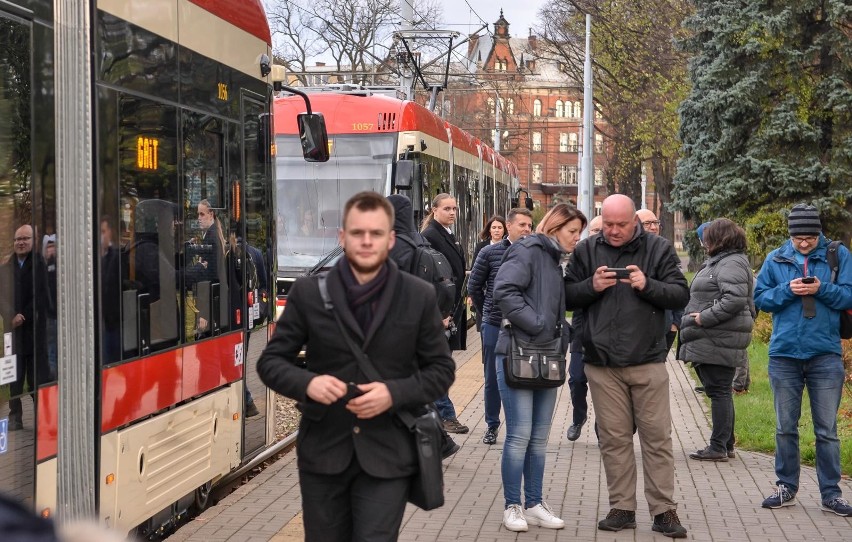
x: 440, y: 236
x: 624, y: 350
x: 355, y: 457
x: 24, y: 307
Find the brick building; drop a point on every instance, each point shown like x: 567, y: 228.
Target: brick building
x: 515, y: 94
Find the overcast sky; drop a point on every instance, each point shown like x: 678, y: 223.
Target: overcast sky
x: 464, y: 18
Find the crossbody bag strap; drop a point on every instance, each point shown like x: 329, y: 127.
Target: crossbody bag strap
x: 360, y: 356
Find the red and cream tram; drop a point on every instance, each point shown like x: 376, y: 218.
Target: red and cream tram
x: 377, y: 142
x: 181, y: 261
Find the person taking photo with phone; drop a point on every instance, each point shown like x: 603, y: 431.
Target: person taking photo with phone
x: 624, y: 351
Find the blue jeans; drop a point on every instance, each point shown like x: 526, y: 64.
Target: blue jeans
x: 489, y: 360
x: 823, y: 375
x: 446, y: 409
x: 529, y: 414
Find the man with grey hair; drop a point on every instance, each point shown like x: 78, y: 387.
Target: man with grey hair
x: 624, y: 280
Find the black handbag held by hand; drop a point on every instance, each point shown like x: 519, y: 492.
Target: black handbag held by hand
x: 426, y: 489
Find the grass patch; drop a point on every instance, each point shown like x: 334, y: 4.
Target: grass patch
x: 755, y: 415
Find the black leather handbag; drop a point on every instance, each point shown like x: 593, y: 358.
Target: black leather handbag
x: 533, y: 366
x: 426, y: 490
x: 537, y: 365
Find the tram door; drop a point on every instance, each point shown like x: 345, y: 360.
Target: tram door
x: 27, y: 248
x: 256, y: 189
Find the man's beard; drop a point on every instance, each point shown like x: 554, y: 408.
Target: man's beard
x: 364, y: 270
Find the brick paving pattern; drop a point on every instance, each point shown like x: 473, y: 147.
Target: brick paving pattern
x: 717, y: 501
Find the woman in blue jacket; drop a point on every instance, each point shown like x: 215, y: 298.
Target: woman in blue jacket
x: 528, y: 289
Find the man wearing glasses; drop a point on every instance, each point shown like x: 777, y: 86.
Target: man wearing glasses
x: 795, y: 285
x: 651, y: 224
x: 23, y: 303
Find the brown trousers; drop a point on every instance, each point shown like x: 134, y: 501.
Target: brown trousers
x: 623, y: 397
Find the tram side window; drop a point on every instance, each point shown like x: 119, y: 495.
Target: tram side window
x: 148, y: 225
x: 209, y: 250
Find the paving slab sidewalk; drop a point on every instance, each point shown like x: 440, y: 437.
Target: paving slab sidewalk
x: 716, y: 501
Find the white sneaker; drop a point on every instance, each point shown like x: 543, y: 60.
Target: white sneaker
x: 543, y: 516
x: 513, y: 518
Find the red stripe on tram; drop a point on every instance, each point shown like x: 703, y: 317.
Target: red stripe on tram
x: 247, y: 15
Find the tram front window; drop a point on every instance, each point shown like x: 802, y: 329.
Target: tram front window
x: 310, y: 196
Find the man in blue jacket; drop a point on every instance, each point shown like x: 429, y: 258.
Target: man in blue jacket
x: 795, y: 285
x: 481, y: 289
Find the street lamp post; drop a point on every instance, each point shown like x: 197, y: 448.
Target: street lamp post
x: 644, y: 183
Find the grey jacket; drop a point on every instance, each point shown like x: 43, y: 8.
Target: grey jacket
x: 528, y: 291
x: 722, y: 293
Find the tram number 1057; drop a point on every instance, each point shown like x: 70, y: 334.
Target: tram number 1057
x: 362, y: 126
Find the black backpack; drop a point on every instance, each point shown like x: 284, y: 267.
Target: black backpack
x: 845, y: 316
x: 433, y: 267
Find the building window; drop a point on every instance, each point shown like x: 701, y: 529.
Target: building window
x: 537, y: 108
x: 567, y: 174
x: 598, y: 177
x: 563, y: 142
x: 598, y: 114
x: 536, y: 173
x: 572, y: 143
x: 500, y: 65
x: 599, y: 146
x: 577, y: 110
x: 598, y: 207
x: 510, y: 106
x: 560, y: 109
x: 536, y: 141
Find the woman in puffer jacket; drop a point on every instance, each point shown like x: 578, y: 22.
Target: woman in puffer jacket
x: 716, y: 328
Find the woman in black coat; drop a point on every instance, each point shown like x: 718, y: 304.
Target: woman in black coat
x: 716, y: 328
x: 436, y: 230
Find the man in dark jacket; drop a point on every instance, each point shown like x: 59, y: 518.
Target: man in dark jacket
x: 624, y: 350
x: 481, y: 289
x: 355, y: 457
x: 25, y: 307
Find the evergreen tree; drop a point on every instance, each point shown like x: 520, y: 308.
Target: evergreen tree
x: 768, y: 122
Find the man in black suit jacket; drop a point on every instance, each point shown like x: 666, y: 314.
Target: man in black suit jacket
x: 442, y: 239
x: 24, y: 307
x: 355, y: 457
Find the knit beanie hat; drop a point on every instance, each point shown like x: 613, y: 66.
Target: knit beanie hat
x: 804, y: 220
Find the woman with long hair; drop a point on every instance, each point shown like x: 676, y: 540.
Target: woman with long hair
x: 493, y: 232
x: 716, y: 328
x: 529, y: 291
x: 438, y: 231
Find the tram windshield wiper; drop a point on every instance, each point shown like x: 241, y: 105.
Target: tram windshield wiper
x: 338, y: 250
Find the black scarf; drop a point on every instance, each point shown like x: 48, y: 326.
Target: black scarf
x: 362, y: 298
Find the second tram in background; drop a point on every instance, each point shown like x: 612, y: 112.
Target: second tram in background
x: 381, y: 143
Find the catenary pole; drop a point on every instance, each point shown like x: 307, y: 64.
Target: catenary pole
x: 585, y: 195
x: 75, y: 260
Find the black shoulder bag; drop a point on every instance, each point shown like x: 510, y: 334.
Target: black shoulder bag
x: 536, y: 365
x: 426, y: 489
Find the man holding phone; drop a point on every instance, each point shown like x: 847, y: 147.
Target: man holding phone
x: 624, y: 280
x: 355, y: 458
x: 795, y: 285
